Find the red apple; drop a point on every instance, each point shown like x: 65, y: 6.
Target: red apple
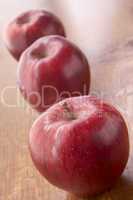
x: 80, y: 145
x: 51, y: 69
x: 22, y: 31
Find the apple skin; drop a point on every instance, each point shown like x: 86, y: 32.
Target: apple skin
x: 52, y: 69
x: 81, y: 145
x: 22, y: 31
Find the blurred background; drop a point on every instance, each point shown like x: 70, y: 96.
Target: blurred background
x: 104, y: 31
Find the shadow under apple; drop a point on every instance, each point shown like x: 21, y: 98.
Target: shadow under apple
x: 123, y: 190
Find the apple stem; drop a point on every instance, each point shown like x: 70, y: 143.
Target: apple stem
x: 68, y: 112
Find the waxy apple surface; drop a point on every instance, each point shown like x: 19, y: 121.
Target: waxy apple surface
x: 80, y: 145
x: 22, y: 31
x: 51, y: 69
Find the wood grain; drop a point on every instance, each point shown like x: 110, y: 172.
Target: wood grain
x: 112, y: 78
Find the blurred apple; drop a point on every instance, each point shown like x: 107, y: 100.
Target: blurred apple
x: 29, y: 26
x: 51, y: 69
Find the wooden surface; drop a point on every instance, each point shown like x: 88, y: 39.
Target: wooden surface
x: 111, y: 58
